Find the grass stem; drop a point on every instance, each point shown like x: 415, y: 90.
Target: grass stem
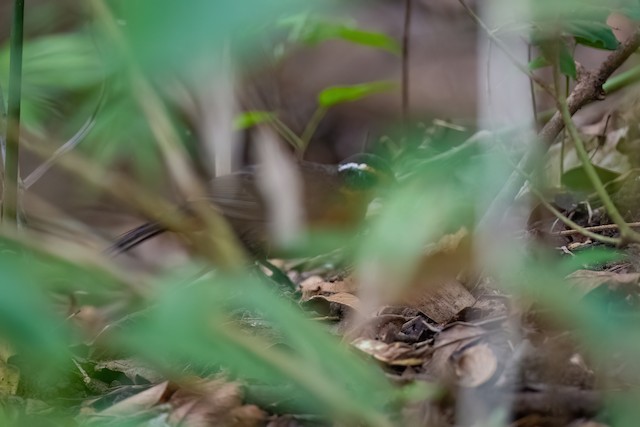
x: 12, y: 157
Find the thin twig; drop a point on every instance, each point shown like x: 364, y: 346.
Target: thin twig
x: 563, y: 142
x: 532, y: 90
x: 595, y: 228
x: 12, y: 171
x: 589, y: 88
x: 224, y: 248
x: 3, y: 132
x: 67, y: 146
x: 626, y: 232
x: 65, y: 251
x: 405, y: 61
x: 576, y: 228
x: 612, y: 85
x: 286, y: 133
x: 500, y: 44
x: 310, y: 129
x: 472, y: 141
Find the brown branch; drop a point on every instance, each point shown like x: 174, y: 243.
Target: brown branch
x: 588, y: 89
x: 627, y: 234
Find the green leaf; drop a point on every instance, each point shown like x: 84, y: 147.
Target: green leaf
x: 315, y: 31
x: 340, y: 94
x: 577, y: 179
x: 249, y: 119
x: 206, y: 27
x: 552, y: 51
x: 539, y: 62
x: 593, y: 33
x: 67, y: 61
x: 54, y: 66
x: 631, y: 11
x: 566, y: 63
x: 369, y: 38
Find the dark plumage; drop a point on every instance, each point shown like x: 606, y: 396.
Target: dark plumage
x: 333, y: 196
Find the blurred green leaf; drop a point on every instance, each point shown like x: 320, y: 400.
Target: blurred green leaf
x: 61, y: 61
x: 27, y: 321
x: 314, y: 31
x: 577, y: 179
x: 554, y: 50
x: 585, y: 20
x: 431, y: 200
x: 544, y: 280
x: 335, y: 95
x: 566, y: 62
x: 249, y: 119
x: 593, y: 33
x: 539, y: 62
x: 54, y: 67
x: 199, y: 318
x: 369, y: 38
x: 202, y: 28
x: 630, y: 8
x: 556, y: 11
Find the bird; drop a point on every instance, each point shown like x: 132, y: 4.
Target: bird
x: 334, y: 196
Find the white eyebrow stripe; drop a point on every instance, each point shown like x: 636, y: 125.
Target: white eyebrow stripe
x: 352, y: 165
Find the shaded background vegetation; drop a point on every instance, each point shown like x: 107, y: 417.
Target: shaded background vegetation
x: 154, y: 98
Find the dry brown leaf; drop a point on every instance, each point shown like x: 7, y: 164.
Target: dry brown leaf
x: 6, y: 351
x: 394, y: 354
x: 211, y: 403
x: 344, y: 299
x: 311, y: 286
x: 284, y: 421
x: 445, y: 346
x: 586, y: 281
x: 142, y: 401
x: 434, y: 288
x: 316, y: 285
x: 442, y: 302
x: 9, y: 379
x: 587, y: 423
x: 475, y: 365
x: 90, y: 320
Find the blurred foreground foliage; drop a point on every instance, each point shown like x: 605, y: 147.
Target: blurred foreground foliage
x: 194, y: 320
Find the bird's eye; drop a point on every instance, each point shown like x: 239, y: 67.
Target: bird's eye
x: 358, y: 176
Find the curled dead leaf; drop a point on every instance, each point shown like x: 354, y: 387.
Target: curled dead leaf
x: 214, y: 402
x: 139, y: 402
x: 394, y: 354
x: 343, y: 299
x: 461, y: 356
x: 475, y: 365
x: 316, y: 285
x: 586, y: 281
x: 441, y: 302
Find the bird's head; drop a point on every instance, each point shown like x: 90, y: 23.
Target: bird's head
x: 364, y: 173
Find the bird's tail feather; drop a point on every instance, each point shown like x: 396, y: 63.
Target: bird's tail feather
x: 133, y: 238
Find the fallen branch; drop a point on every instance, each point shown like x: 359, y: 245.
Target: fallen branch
x: 594, y: 229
